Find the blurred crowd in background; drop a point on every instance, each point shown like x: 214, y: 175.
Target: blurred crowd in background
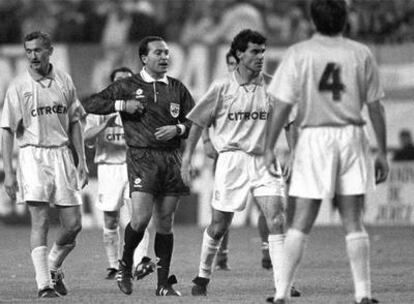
x: 116, y: 22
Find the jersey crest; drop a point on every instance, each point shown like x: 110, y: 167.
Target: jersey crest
x: 174, y: 109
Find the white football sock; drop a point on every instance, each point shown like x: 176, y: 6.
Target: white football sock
x: 111, y: 243
x: 39, y: 258
x: 142, y: 249
x: 58, y: 254
x: 276, y: 242
x: 294, y: 247
x: 209, y: 249
x: 357, y: 246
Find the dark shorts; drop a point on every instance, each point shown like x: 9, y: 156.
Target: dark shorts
x: 155, y: 171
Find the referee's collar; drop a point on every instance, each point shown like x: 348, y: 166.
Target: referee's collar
x: 148, y: 78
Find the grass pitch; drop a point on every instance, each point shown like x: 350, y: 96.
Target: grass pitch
x: 324, y: 276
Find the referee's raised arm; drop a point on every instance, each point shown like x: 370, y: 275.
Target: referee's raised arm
x: 111, y: 99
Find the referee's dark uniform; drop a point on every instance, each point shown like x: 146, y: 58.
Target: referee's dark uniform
x: 153, y: 165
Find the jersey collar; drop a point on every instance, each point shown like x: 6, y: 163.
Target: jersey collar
x: 37, y: 77
x: 259, y: 80
x: 148, y: 78
x: 325, y: 37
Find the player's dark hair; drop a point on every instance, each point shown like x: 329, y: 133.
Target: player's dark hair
x: 405, y: 132
x: 120, y: 70
x: 45, y: 37
x: 242, y: 39
x: 143, y: 45
x: 329, y: 16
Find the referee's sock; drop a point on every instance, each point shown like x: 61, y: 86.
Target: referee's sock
x: 163, y: 248
x: 131, y: 240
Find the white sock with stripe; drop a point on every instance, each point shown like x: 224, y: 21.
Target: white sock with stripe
x: 276, y: 245
x: 111, y: 244
x: 295, y: 243
x: 357, y: 246
x: 209, y: 249
x: 40, y: 263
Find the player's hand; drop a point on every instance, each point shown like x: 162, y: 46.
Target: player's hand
x: 270, y: 162
x: 165, y: 133
x: 10, y: 185
x: 209, y: 150
x: 133, y: 106
x: 83, y: 174
x: 287, y: 168
x: 186, y: 170
x: 381, y: 168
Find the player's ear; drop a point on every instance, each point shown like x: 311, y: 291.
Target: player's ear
x: 51, y: 50
x: 239, y: 54
x: 144, y: 59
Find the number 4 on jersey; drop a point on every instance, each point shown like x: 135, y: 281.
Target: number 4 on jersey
x: 331, y: 81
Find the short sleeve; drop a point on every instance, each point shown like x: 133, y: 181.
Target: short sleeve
x: 12, y: 114
x: 76, y: 111
x: 92, y: 120
x: 284, y: 85
x: 203, y: 112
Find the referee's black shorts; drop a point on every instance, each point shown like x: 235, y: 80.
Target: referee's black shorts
x: 155, y: 171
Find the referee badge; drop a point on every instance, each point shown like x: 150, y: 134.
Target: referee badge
x: 174, y: 109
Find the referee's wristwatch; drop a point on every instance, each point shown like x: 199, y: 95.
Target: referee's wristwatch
x: 179, y: 130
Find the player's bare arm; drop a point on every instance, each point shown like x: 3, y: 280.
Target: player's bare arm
x: 208, y: 145
x: 193, y: 137
x: 10, y: 181
x: 291, y: 132
x: 93, y: 132
x: 77, y: 141
x: 279, y: 118
x: 377, y: 117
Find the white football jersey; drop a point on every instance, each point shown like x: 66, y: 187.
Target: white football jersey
x: 237, y: 113
x: 110, y: 147
x: 40, y: 109
x: 330, y: 78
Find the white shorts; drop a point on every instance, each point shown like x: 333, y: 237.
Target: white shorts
x: 113, y: 187
x: 237, y: 174
x: 330, y: 160
x: 48, y: 175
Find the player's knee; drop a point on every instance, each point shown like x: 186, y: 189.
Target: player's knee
x: 276, y: 222
x: 216, y: 231
x: 138, y: 225
x: 73, y: 225
x: 40, y: 224
x: 111, y: 224
x: 165, y: 219
x: 164, y: 225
